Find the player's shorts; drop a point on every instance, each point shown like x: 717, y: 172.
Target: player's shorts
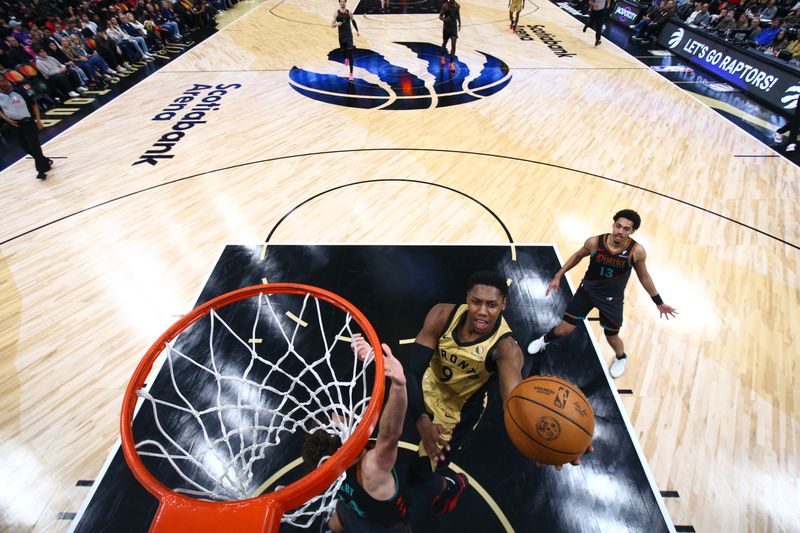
x: 448, y: 33
x: 610, y: 309
x: 355, y: 524
x: 346, y: 44
x: 471, y: 414
x: 515, y: 5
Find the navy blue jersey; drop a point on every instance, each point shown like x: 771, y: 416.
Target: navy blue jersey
x: 391, y: 513
x: 608, y: 272
x: 450, y: 17
x: 345, y: 32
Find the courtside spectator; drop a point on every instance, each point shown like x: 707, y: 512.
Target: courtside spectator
x: 767, y: 35
x: 128, y: 46
x: 700, y: 18
x: 649, y: 27
x: 724, y: 23
x: 109, y: 51
x: 135, y: 34
x: 769, y: 12
x: 779, y: 43
x: 55, y: 73
x: 76, y: 76
x: 15, y: 52
x: 684, y: 10
x: 793, y: 47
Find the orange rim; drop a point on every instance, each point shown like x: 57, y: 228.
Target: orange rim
x: 179, y: 512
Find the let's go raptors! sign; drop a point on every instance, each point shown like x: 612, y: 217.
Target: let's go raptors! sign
x: 760, y: 78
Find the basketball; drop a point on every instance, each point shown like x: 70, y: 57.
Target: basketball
x: 549, y: 420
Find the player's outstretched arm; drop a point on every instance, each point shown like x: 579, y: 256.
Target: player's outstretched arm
x: 588, y: 248
x: 639, y: 256
x: 509, y: 366
x: 509, y: 360
x: 379, y: 462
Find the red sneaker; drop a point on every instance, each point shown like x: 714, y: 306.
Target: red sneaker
x: 452, y: 67
x: 446, y: 500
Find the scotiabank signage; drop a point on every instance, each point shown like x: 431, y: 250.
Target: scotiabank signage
x: 624, y: 13
x: 765, y: 81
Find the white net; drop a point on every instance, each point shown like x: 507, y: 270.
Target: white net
x: 241, y: 388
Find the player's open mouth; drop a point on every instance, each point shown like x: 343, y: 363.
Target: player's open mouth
x: 481, y: 324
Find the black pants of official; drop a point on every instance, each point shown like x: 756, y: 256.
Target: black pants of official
x: 28, y: 139
x: 596, y: 20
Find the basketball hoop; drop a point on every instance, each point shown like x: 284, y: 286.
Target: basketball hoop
x: 256, y: 405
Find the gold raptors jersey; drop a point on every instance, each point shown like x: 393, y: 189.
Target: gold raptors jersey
x: 458, y: 370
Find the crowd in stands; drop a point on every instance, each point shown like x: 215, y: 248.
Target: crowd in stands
x: 768, y: 26
x: 71, y: 46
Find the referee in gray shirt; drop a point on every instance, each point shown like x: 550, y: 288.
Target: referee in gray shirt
x: 23, y: 117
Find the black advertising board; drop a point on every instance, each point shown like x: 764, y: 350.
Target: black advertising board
x: 768, y: 81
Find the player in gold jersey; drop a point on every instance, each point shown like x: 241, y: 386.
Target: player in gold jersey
x: 458, y: 349
x: 514, y: 7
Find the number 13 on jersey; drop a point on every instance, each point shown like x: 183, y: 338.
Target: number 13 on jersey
x: 607, y: 272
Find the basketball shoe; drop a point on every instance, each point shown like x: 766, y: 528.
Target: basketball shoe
x: 618, y: 367
x: 445, y: 501
x: 537, y: 346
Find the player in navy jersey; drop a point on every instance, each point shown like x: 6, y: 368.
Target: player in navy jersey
x: 613, y: 256
x: 371, y: 498
x: 450, y: 15
x: 342, y: 20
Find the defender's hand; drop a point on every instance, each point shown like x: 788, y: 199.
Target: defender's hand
x: 392, y: 368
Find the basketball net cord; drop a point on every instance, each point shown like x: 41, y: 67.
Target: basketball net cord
x: 245, y: 427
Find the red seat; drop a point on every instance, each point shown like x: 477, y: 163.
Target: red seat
x: 29, y: 71
x: 13, y: 76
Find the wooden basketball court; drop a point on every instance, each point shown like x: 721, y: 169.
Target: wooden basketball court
x: 99, y: 259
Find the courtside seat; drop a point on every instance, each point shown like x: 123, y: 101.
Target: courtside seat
x: 38, y: 92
